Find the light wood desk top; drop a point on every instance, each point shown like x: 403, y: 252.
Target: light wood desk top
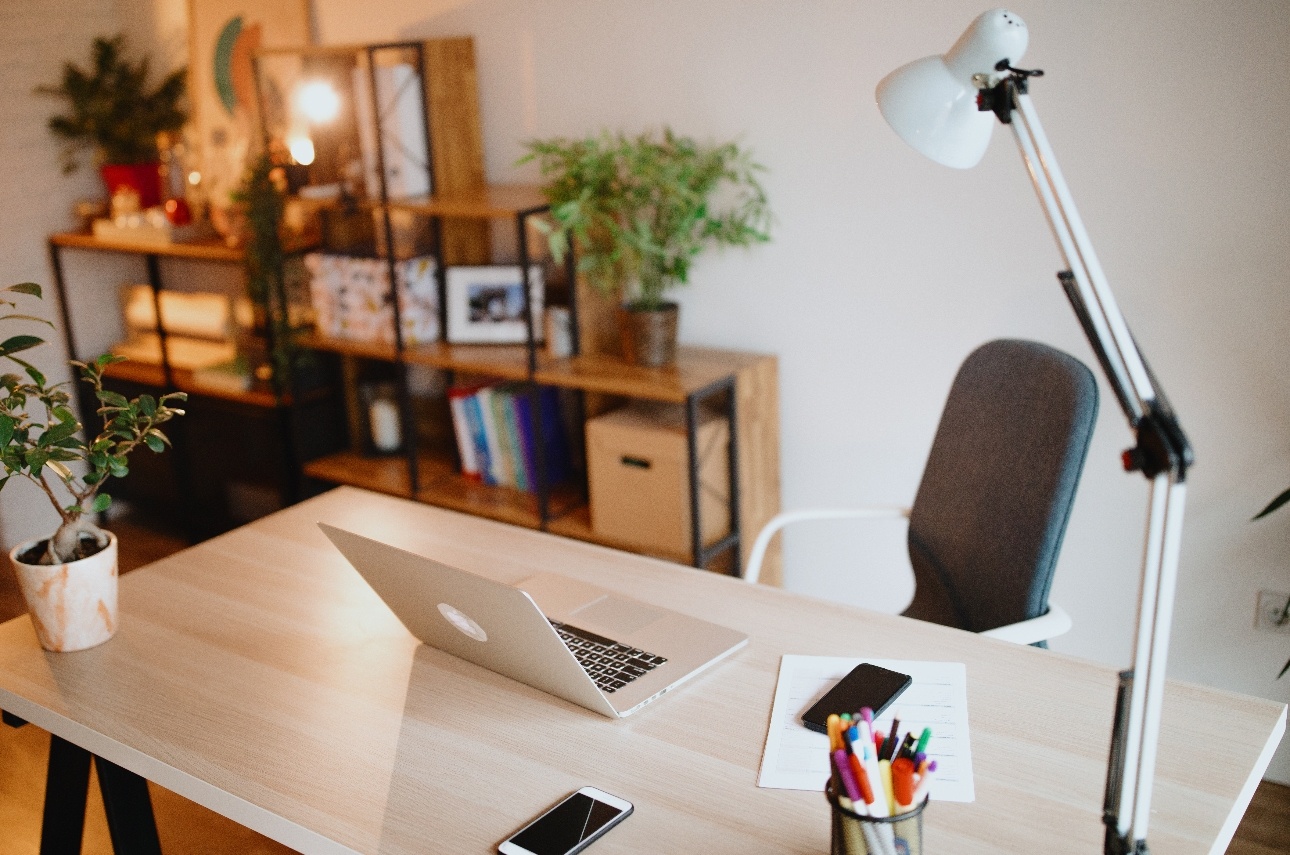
x: 258, y: 675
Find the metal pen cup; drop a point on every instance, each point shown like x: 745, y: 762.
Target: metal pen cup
x: 858, y: 834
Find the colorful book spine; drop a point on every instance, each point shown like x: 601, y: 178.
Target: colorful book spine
x: 496, y: 455
x: 479, y: 439
x: 458, y: 401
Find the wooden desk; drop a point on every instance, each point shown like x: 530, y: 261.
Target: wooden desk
x: 258, y: 675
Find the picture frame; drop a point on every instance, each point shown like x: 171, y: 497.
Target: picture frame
x: 485, y: 304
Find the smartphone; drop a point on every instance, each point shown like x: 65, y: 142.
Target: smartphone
x: 866, y: 686
x: 569, y: 827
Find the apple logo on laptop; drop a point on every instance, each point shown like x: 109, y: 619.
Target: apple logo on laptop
x: 462, y: 623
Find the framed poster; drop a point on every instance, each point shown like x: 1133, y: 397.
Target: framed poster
x: 223, y: 36
x: 486, y: 304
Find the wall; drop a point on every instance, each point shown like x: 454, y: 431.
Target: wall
x: 1172, y: 122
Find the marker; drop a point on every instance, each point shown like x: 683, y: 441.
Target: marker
x: 923, y: 740
x: 833, y: 724
x: 924, y: 784
x: 867, y: 714
x: 884, y: 770
x: 902, y: 783
x: 852, y: 830
x: 906, y: 747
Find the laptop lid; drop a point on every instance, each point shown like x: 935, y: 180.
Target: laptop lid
x: 502, y: 628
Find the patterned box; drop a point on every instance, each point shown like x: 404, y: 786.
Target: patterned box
x: 351, y: 297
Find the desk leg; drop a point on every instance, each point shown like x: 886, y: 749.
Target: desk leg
x: 67, y: 784
x: 129, y: 810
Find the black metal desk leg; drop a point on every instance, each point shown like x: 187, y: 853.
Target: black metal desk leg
x: 67, y: 783
x: 129, y: 810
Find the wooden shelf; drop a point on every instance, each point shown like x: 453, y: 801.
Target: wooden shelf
x: 440, y: 485
x: 152, y: 375
x: 380, y: 474
x: 205, y: 250
x: 492, y: 202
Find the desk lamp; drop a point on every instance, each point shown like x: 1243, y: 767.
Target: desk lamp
x: 945, y: 106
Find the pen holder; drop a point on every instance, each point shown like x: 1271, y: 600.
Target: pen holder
x: 857, y: 834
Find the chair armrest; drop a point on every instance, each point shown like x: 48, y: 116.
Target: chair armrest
x: 758, y: 553
x: 1051, y: 624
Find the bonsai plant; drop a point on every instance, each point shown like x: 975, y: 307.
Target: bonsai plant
x: 69, y: 578
x: 112, y: 109
x: 639, y: 210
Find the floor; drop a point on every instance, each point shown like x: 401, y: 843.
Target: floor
x: 185, y: 827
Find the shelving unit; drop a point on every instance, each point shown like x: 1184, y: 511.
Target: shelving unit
x: 231, y: 441
x: 742, y: 386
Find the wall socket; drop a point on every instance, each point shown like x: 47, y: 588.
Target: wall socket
x: 1271, y: 606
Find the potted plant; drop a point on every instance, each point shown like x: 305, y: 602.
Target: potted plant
x: 69, y: 579
x: 112, y: 109
x: 638, y: 211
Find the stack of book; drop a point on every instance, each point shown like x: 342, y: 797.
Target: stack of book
x: 499, y: 438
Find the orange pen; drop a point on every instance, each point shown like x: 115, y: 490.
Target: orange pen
x: 862, y: 779
x: 834, y: 726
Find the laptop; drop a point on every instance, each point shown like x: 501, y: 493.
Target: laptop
x: 592, y: 647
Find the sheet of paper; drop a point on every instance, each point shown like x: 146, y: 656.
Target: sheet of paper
x: 797, y: 759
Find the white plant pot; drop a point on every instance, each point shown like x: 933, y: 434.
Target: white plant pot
x: 73, y: 606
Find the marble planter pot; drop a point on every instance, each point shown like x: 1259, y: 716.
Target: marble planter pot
x: 73, y: 606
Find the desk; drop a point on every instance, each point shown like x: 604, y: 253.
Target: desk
x: 258, y: 675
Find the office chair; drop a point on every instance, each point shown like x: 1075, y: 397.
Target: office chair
x: 987, y: 522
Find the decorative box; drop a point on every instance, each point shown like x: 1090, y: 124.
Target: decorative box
x: 351, y: 297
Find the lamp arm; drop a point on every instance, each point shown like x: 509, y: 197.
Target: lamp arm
x: 1162, y: 454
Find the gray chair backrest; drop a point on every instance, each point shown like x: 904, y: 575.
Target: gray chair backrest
x: 987, y: 522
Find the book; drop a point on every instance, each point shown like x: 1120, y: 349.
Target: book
x: 458, y: 402
x: 479, y: 438
x: 497, y: 467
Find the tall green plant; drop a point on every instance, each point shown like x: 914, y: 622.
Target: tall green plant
x: 113, y: 109
x: 263, y: 199
x: 40, y: 436
x: 639, y: 210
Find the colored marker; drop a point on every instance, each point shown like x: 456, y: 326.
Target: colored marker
x: 889, y: 744
x: 923, y: 740
x: 833, y: 725
x: 902, y: 783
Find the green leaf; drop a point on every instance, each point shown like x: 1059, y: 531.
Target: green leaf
x: 44, y: 321
x: 101, y: 503
x: 7, y: 425
x: 30, y: 288
x: 17, y: 343
x: 32, y: 372
x: 57, y: 433
x: 112, y: 399
x: 147, y: 405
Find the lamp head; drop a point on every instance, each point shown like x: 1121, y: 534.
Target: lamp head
x: 932, y: 102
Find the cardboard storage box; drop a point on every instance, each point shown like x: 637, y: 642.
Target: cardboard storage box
x: 638, y: 477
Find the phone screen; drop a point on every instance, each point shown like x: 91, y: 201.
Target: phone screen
x: 866, y: 686
x: 567, y: 826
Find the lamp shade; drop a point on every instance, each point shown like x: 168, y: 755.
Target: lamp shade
x: 932, y: 102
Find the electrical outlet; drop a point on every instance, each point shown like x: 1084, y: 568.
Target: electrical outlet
x: 1271, y: 608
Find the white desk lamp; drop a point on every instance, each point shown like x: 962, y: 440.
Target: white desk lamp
x: 945, y: 106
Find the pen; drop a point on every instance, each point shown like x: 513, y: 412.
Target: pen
x: 906, y: 747
x: 848, y: 795
x: 889, y: 744
x: 923, y: 740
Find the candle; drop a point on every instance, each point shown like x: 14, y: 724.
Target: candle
x: 384, y: 417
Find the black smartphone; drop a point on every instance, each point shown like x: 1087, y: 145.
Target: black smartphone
x: 866, y: 686
x: 569, y: 827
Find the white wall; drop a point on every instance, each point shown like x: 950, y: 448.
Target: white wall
x: 1173, y: 124
x: 1171, y: 120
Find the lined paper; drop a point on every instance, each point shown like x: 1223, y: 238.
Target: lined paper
x: 797, y: 759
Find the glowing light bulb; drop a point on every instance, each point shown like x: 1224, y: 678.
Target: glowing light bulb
x: 318, y: 101
x: 302, y: 149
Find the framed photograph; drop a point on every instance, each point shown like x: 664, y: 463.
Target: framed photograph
x: 486, y: 304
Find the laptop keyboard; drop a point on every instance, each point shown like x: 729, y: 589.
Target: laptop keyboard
x: 610, y: 664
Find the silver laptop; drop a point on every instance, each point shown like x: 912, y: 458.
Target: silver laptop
x: 594, y: 648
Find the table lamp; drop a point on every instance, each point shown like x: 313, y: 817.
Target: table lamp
x: 945, y: 106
